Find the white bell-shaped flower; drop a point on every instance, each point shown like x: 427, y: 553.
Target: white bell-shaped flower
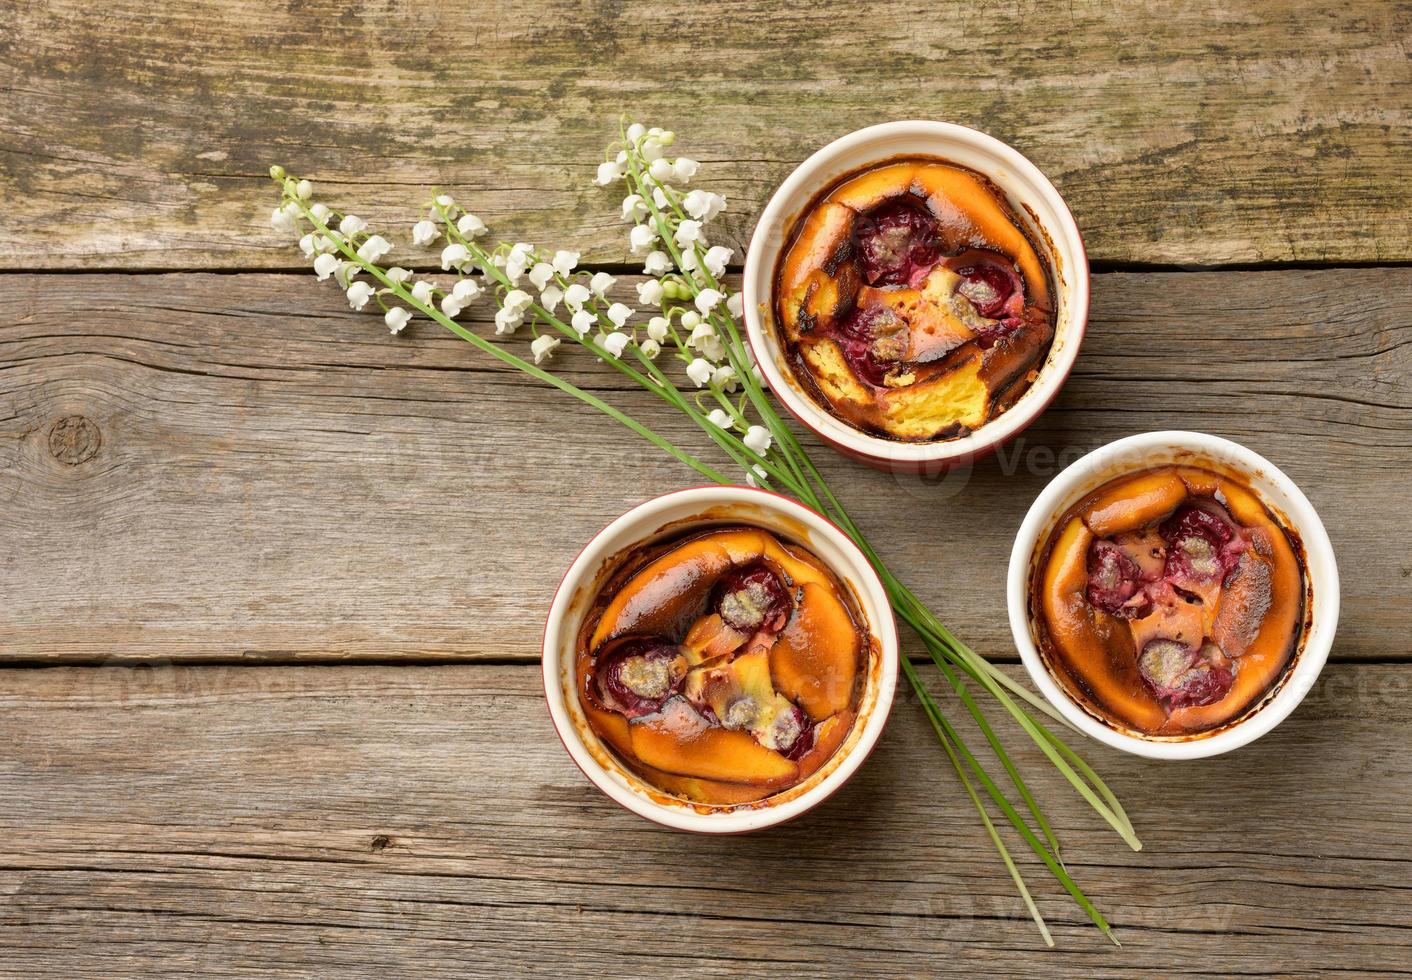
x: 397, y: 318
x: 700, y: 372
x: 543, y: 346
x: 758, y: 439
x: 358, y: 294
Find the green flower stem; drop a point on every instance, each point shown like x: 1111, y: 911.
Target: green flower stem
x: 1017, y: 822
x: 933, y: 713
x: 506, y: 357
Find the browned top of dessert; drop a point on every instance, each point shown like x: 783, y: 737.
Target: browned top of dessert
x: 1169, y: 601
x: 724, y: 667
x: 910, y: 301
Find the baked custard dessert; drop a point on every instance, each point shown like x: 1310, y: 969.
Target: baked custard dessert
x: 911, y: 303
x: 1168, y: 602
x: 723, y: 667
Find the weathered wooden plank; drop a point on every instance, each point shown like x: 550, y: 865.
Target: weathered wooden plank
x: 272, y: 476
x: 138, y: 135
x: 419, y: 821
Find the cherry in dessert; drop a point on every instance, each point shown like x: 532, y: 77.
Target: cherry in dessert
x: 1182, y: 676
x: 1115, y: 582
x: 873, y: 341
x: 898, y: 243
x: 637, y: 675
x: 752, y: 599
x: 1201, y: 546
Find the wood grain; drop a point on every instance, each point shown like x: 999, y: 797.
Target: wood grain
x: 270, y: 476
x: 375, y: 821
x: 138, y: 135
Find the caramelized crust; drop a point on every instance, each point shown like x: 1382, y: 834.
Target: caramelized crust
x: 950, y: 369
x: 1247, y: 618
x: 736, y: 712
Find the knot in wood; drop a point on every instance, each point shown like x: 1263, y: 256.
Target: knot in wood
x: 74, y: 439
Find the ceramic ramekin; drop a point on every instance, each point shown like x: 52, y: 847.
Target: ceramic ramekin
x: 673, y: 514
x: 1279, y: 494
x: 1033, y: 199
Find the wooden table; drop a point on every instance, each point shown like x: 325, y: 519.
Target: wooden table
x: 274, y: 581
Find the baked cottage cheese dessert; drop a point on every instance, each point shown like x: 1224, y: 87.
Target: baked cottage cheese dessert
x: 911, y: 303
x: 1168, y: 602
x: 724, y: 667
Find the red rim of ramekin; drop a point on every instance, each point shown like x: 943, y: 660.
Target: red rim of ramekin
x: 885, y: 708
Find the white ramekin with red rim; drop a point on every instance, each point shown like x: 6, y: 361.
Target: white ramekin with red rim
x: 1281, y: 497
x: 1033, y: 199
x: 673, y: 514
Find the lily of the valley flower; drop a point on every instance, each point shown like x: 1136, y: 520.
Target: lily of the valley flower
x: 658, y: 327
x: 543, y: 346
x: 422, y: 292
x: 583, y: 321
x: 519, y: 260
x: 650, y: 349
x: 657, y: 263
x: 758, y: 439
x: 451, y: 306
x: 601, y: 283
x: 684, y: 169
x: 708, y: 299
x: 687, y: 234
x: 716, y: 259
x: 424, y: 232
x: 398, y: 274
x: 720, y: 417
x: 634, y: 208
x: 550, y: 296
x: 283, y: 220
x: 608, y: 171
x: 325, y: 265
x: 358, y: 294
x: 471, y: 226
x: 615, y: 343
x: 641, y: 239
x: 700, y: 371
x: 619, y: 313
x: 454, y: 256
x: 564, y: 262
x: 541, y: 274
x: 397, y: 318
x: 650, y: 293
x: 724, y: 378
x: 352, y: 225
x: 703, y: 205
x: 576, y: 295
x: 374, y: 248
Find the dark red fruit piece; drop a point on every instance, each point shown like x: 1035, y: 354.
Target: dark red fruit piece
x: 803, y: 741
x: 1201, y: 546
x: 636, y: 675
x: 1114, y: 584
x: 873, y: 341
x: 1181, y: 677
x: 751, y: 599
x: 990, y: 282
x: 898, y: 244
